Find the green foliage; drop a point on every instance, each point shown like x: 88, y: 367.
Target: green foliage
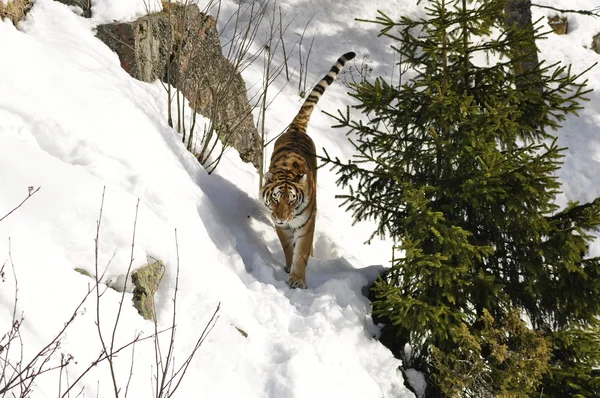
x: 457, y: 164
x: 574, y: 364
x: 505, y: 360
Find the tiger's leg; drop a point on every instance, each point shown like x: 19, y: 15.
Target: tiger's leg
x: 302, y: 250
x: 286, y: 237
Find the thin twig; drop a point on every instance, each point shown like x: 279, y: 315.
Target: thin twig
x: 130, y: 371
x: 207, y: 329
x: 102, y: 357
x: 26, y: 373
x: 99, y: 295
x: 591, y: 13
x: 31, y: 193
x: 114, y: 332
x: 161, y: 391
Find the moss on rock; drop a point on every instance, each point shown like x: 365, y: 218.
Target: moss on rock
x: 146, y: 281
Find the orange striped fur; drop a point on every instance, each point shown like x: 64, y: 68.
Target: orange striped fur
x: 289, y: 191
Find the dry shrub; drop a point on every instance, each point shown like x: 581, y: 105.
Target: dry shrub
x: 14, y: 10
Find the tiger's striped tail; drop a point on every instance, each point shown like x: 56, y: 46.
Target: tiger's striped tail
x: 300, y: 122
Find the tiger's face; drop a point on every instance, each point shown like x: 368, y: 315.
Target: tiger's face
x: 284, y: 197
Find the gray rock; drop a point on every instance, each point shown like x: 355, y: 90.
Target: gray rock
x: 85, y: 5
x: 142, y: 46
x: 181, y: 46
x: 596, y: 43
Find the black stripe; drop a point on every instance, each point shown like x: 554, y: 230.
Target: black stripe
x: 307, y: 220
x: 285, y: 148
x: 312, y: 98
x: 278, y: 150
x: 302, y: 212
x: 282, y: 156
x: 306, y: 110
x: 290, y: 149
x: 319, y: 88
x: 347, y: 57
x: 301, y: 236
x: 294, y: 128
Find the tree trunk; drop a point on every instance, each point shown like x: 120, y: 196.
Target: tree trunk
x: 517, y: 20
x: 518, y: 16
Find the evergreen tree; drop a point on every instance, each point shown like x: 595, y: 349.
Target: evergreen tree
x: 457, y: 164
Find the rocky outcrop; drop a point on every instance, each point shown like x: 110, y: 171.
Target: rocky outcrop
x: 143, y: 46
x: 180, y: 45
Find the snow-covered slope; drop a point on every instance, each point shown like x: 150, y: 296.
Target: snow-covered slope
x: 75, y: 124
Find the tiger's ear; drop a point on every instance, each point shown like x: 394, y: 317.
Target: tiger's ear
x: 301, y: 178
x: 269, y: 176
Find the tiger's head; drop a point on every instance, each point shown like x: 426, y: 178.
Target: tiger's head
x: 285, y: 196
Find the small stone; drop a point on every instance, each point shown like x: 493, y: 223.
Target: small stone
x: 242, y: 332
x: 560, y: 25
x: 596, y: 43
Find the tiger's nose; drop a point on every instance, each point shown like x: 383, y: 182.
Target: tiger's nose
x: 278, y: 220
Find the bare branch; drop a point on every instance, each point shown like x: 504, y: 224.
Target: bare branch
x: 130, y: 371
x: 102, y: 357
x: 29, y: 195
x: 24, y: 374
x: 595, y: 12
x: 168, y: 378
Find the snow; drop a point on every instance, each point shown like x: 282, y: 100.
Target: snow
x: 73, y: 123
x: 417, y: 381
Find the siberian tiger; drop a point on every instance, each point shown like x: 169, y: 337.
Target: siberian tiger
x: 289, y: 189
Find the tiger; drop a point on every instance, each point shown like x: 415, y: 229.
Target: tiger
x: 289, y: 189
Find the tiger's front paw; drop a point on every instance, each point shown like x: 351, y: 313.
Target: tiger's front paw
x: 296, y: 283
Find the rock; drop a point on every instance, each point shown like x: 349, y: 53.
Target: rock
x: 242, y: 331
x: 146, y: 281
x: 596, y: 43
x: 180, y: 45
x: 143, y: 46
x: 85, y: 5
x: 210, y: 82
x: 84, y: 272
